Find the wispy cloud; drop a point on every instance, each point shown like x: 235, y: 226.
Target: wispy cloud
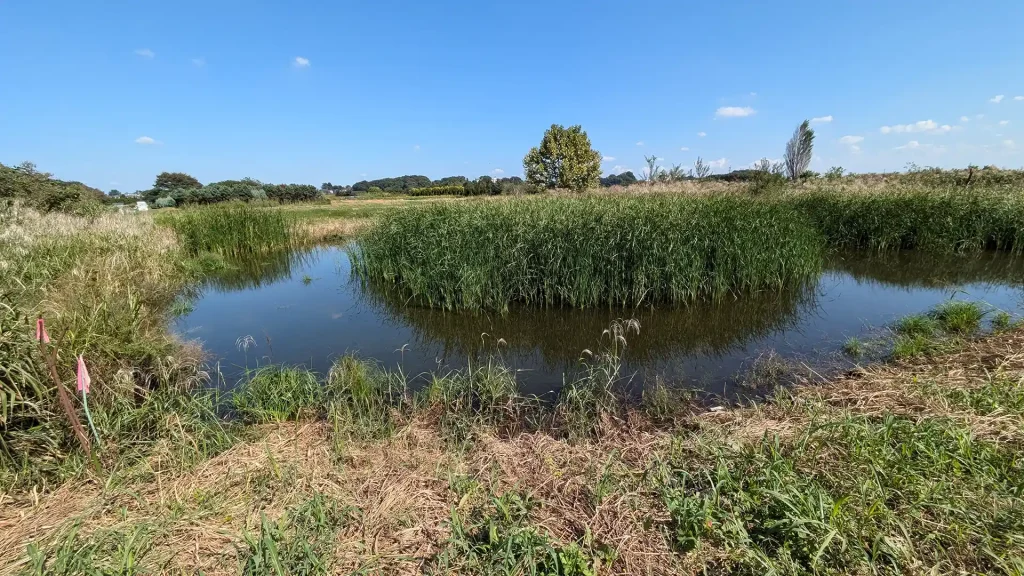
x: 497, y: 171
x: 301, y: 62
x: 145, y: 53
x: 640, y: 143
x: 965, y: 119
x: 702, y: 134
x: 199, y: 62
x: 720, y: 163
x: 146, y: 140
x: 1008, y: 143
x: 996, y: 99
x: 685, y: 149
x: 853, y: 142
x: 929, y: 126
x: 416, y: 147
x: 821, y: 119
x: 979, y: 116
x: 617, y: 169
x: 608, y: 159
x: 734, y: 112
x: 1018, y: 98
x: 1004, y: 122
x: 912, y: 145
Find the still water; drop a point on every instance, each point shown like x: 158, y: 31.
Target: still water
x: 305, y: 309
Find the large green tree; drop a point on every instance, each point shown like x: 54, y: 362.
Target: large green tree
x: 175, y: 180
x: 564, y: 159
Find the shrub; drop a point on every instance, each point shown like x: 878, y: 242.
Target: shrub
x: 165, y: 202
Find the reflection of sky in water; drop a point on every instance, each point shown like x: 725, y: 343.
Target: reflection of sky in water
x: 700, y: 345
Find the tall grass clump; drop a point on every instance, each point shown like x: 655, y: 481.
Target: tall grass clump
x: 278, y: 394
x: 589, y: 251
x: 933, y: 219
x: 362, y: 399
x: 236, y: 230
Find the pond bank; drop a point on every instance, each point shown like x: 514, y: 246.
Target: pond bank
x: 783, y: 485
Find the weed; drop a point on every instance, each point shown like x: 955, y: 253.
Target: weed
x: 853, y: 347
x: 959, y: 317
x: 278, y: 393
x: 119, y: 551
x: 362, y: 399
x: 301, y: 542
x: 498, y: 539
x: 1001, y: 320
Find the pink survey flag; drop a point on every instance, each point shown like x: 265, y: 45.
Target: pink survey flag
x: 41, y: 335
x: 83, y: 376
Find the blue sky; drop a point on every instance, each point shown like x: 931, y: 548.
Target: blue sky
x: 112, y: 93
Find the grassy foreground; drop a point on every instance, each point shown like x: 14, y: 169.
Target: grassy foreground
x: 909, y: 468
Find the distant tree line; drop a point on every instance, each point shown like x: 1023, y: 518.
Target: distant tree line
x: 178, y: 188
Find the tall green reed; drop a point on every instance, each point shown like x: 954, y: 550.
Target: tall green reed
x: 589, y: 251
x: 235, y: 230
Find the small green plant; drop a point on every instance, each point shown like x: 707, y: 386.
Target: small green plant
x: 917, y: 325
x: 1001, y: 320
x: 363, y: 400
x: 853, y: 347
x: 959, y: 317
x: 307, y: 279
x: 120, y: 551
x: 278, y: 393
x: 301, y: 542
x: 498, y: 539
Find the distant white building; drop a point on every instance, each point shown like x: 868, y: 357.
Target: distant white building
x: 141, y: 206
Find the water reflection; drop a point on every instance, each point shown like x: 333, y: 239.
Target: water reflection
x: 559, y: 335
x: 702, y: 344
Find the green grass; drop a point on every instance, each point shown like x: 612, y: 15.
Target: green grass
x: 853, y: 347
x: 498, y: 538
x: 959, y: 317
x: 364, y: 401
x: 277, y: 394
x: 236, y: 230
x: 119, y: 550
x: 588, y: 251
x: 851, y: 495
x: 301, y: 542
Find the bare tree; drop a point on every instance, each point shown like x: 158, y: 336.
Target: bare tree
x: 798, y: 150
x: 700, y: 169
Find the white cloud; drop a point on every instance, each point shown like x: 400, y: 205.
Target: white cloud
x: 822, y: 119
x: 685, y: 149
x: 497, y: 171
x: 734, y: 112
x: 301, y: 62
x: 851, y: 139
x: 640, y: 143
x: 929, y: 126
x: 1018, y: 98
x: 199, y: 62
x: 753, y: 94
x: 145, y: 53
x: 996, y: 99
x: 1008, y: 143
x: 619, y: 169
x: 145, y: 140
x: 1004, y: 122
x: 608, y: 159
x: 912, y: 145
x: 720, y: 163
x: 965, y: 119
x: 416, y: 147
x: 702, y: 134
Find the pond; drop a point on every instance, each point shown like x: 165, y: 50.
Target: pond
x: 306, y: 309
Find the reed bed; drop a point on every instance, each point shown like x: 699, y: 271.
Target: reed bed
x: 942, y: 219
x: 233, y: 230
x: 586, y: 252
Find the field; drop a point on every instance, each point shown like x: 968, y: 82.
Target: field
x: 910, y: 466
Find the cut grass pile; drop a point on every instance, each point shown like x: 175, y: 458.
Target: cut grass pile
x: 586, y: 252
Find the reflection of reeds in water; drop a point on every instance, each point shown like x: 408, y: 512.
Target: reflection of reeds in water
x: 241, y: 273
x: 913, y: 269
x: 561, y: 334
